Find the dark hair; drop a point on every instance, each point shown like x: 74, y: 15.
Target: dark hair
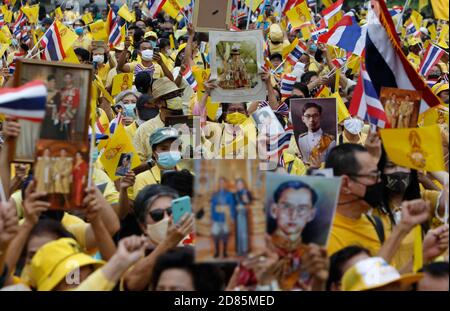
x: 225, y: 107
x: 342, y: 159
x: 182, y: 181
x: 306, y: 77
x: 143, y: 80
x: 294, y: 184
x: 311, y: 105
x: 142, y: 101
x: 436, y: 269
x: 163, y: 43
x: 205, y: 277
x: 147, y: 193
x: 83, y: 53
x: 302, y: 87
x: 51, y: 226
x: 276, y: 56
x: 338, y: 260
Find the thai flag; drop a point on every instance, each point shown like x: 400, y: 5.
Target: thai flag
x: 26, y: 37
x: 332, y: 10
x: 115, y: 123
x: 411, y: 29
x: 116, y: 23
x: 2, y: 20
x: 282, y: 109
x: 155, y: 6
x: 318, y: 32
x: 99, y: 131
x: 189, y: 77
x: 431, y: 58
x: 339, y: 62
x: 287, y: 85
x: 386, y: 64
x: 347, y: 35
x: 17, y: 27
x: 52, y: 44
x: 365, y: 102
x: 25, y: 102
x: 289, y: 4
x: 12, y: 65
x: 395, y: 12
x: 279, y: 143
x: 296, y: 53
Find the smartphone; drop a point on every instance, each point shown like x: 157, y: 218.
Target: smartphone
x: 180, y: 207
x: 156, y: 50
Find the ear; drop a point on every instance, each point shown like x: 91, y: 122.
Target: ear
x: 273, y: 210
x: 345, y: 184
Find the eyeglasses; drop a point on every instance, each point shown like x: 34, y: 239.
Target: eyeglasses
x: 300, y: 209
x: 376, y: 176
x: 311, y: 116
x: 158, y: 214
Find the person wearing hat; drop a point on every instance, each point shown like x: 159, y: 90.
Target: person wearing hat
x: 167, y: 98
x: 375, y: 274
x: 166, y: 154
x: 54, y: 264
x: 414, y: 52
x: 441, y: 91
x: 149, y: 61
x: 145, y: 110
x: 277, y: 39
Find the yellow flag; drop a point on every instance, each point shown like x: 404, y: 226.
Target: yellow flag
x: 68, y: 37
x: 172, y: 8
x: 126, y: 14
x: 440, y: 9
x: 255, y: 4
x: 32, y: 12
x: 299, y: 15
x: 87, y: 18
x: 434, y: 115
x: 325, y: 92
x: 422, y: 4
x: 121, y: 82
x: 416, y: 148
x: 335, y: 19
x: 306, y: 32
x: 102, y: 89
x: 71, y: 57
x: 98, y: 31
x: 184, y: 3
x: 288, y: 49
x: 172, y: 42
x: 417, y: 19
x: 342, y: 110
x: 3, y: 48
x: 5, y: 35
x: 443, y: 33
x: 59, y: 14
x: 354, y: 63
x: 7, y: 14
x: 433, y: 32
x: 327, y: 3
x: 116, y: 157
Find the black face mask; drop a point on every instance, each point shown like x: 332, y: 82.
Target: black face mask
x: 147, y: 114
x: 398, y: 182
x: 374, y: 195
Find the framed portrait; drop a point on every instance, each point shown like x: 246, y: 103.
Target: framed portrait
x: 401, y: 106
x: 236, y: 59
x: 300, y: 211
x: 211, y: 15
x: 124, y: 164
x: 61, y: 169
x: 315, y: 126
x: 67, y: 108
x: 228, y: 204
x: 267, y: 122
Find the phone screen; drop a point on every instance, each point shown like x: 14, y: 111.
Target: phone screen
x: 180, y: 207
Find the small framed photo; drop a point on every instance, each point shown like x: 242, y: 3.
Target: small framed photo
x: 124, y: 165
x: 211, y: 15
x: 67, y: 107
x: 401, y: 106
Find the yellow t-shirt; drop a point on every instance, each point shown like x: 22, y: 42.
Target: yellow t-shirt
x: 347, y: 231
x: 106, y: 186
x: 149, y: 177
x: 131, y: 130
x: 293, y: 164
x: 103, y: 72
x: 141, y: 139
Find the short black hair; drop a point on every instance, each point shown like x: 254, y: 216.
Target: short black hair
x: 436, y: 269
x: 342, y: 159
x: 83, y: 53
x: 276, y: 56
x: 297, y: 185
x: 143, y: 80
x: 337, y: 261
x: 182, y: 181
x: 148, y: 192
x: 52, y: 226
x: 302, y: 87
x: 142, y: 101
x: 306, y: 77
x: 311, y: 105
x: 163, y: 43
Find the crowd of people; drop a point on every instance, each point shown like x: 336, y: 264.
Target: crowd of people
x: 124, y: 237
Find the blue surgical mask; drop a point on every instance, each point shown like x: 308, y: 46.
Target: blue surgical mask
x: 169, y: 159
x: 79, y: 30
x: 129, y: 110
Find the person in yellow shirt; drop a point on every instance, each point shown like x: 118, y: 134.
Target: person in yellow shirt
x: 352, y: 132
x: 100, y: 59
x: 414, y: 52
x: 166, y: 155
x: 82, y: 40
x: 277, y: 39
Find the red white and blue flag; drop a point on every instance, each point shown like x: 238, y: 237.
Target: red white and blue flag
x: 115, y: 123
x: 115, y: 23
x: 332, y: 10
x: 20, y: 22
x: 339, y: 62
x: 431, y: 58
x: 24, y: 102
x: 296, y: 53
x: 189, y: 77
x: 287, y: 85
x: 155, y: 6
x: 277, y: 144
x: 2, y: 20
x: 52, y: 44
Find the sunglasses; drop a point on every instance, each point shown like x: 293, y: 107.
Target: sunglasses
x: 158, y: 214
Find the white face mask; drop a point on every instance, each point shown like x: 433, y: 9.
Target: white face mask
x: 99, y: 59
x: 147, y: 55
x: 353, y: 125
x: 158, y: 232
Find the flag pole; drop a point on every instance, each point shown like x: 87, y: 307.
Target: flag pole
x: 39, y: 41
x: 400, y: 19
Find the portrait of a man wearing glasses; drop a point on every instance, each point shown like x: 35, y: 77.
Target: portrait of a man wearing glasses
x: 314, y: 144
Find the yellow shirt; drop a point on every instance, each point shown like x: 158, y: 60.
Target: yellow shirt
x: 414, y: 60
x: 106, y: 186
x: 297, y: 167
x: 347, y: 231
x: 103, y: 72
x: 149, y: 177
x: 141, y: 139
x: 131, y: 130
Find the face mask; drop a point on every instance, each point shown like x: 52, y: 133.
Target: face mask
x: 374, y: 195
x: 158, y: 232
x: 398, y: 182
x: 129, y: 110
x: 99, y: 59
x: 236, y: 118
x: 148, y: 114
x: 174, y: 103
x: 169, y: 159
x: 79, y: 30
x: 147, y: 55
x: 353, y: 125
x: 313, y: 48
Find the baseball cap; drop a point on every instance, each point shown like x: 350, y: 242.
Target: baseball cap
x: 439, y: 87
x: 373, y: 273
x: 164, y: 86
x: 150, y: 34
x: 163, y: 134
x: 55, y: 260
